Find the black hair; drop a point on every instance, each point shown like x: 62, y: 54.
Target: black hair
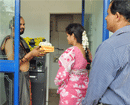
x: 121, y: 6
x: 77, y: 29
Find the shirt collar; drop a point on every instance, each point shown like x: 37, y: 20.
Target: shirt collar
x: 122, y: 30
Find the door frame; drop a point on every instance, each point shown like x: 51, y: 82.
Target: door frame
x: 12, y: 66
x: 105, y: 30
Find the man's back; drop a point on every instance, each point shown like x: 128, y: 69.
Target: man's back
x: 109, y: 77
x: 118, y: 91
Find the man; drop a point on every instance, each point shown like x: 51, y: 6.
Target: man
x: 25, y: 56
x: 109, y: 81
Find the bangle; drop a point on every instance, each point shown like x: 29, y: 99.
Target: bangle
x: 26, y: 59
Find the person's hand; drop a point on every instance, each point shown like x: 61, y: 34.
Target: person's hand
x: 37, y: 52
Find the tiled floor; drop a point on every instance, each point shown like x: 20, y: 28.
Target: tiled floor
x: 53, y: 97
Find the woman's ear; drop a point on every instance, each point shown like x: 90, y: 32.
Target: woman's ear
x: 73, y: 35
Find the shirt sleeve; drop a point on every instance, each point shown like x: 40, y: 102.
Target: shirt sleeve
x: 66, y: 62
x: 102, y: 73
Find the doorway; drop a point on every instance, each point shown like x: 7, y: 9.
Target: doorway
x: 58, y: 38
x: 58, y: 23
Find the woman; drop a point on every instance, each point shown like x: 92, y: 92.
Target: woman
x: 72, y: 76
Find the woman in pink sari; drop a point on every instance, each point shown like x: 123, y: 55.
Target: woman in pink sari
x: 72, y: 76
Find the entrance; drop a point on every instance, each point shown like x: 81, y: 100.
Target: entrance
x: 58, y: 38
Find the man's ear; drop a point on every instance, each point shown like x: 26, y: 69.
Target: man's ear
x: 118, y: 16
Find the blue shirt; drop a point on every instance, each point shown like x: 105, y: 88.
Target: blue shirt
x: 109, y: 80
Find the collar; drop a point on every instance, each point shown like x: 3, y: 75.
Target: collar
x: 124, y: 29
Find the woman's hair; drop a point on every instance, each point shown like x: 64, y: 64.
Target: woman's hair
x: 77, y: 29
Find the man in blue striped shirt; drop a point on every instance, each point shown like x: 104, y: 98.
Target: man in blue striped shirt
x: 109, y: 81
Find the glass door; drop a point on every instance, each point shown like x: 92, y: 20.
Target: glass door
x: 95, y: 12
x: 9, y: 62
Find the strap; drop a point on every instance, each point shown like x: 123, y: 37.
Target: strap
x: 24, y: 45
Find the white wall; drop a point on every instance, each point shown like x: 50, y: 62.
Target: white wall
x: 36, y: 14
x: 95, y: 8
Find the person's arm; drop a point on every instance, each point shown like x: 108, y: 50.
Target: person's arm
x: 36, y: 52
x: 9, y: 49
x: 101, y: 75
x: 24, y: 62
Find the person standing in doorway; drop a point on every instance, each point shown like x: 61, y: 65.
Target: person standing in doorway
x: 72, y: 76
x: 109, y: 79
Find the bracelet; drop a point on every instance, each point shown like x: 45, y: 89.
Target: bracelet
x: 26, y: 59
x: 23, y: 60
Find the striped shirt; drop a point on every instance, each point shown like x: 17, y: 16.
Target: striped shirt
x: 109, y: 81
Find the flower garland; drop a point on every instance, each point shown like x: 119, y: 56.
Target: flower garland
x: 85, y: 42
x: 36, y: 40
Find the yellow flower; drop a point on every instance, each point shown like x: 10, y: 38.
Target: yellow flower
x: 36, y: 40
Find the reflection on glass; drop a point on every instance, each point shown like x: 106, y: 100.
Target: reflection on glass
x: 93, y: 22
x: 2, y: 90
x: 6, y: 15
x: 6, y: 88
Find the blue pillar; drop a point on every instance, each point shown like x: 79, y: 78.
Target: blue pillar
x: 105, y: 31
x: 16, y: 52
x: 83, y: 5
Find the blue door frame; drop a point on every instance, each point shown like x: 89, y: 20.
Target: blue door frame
x: 105, y: 31
x: 105, y: 7
x: 12, y: 66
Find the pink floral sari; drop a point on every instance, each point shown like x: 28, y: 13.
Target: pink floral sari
x: 72, y: 77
